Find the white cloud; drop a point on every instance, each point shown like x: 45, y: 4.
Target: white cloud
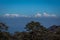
x: 38, y: 15
x: 53, y: 15
x: 11, y: 15
x: 49, y: 15
x: 45, y: 15
x: 14, y: 15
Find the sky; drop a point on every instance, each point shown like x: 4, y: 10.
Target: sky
x: 30, y: 7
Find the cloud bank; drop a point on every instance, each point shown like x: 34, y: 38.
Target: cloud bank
x: 14, y: 15
x: 11, y: 15
x: 36, y: 15
x: 45, y: 15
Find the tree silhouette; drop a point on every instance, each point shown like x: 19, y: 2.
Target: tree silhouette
x: 33, y: 26
x: 4, y: 35
x: 3, y: 27
x: 36, y: 30
x: 54, y: 33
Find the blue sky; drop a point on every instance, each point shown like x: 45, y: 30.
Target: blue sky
x: 29, y: 7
